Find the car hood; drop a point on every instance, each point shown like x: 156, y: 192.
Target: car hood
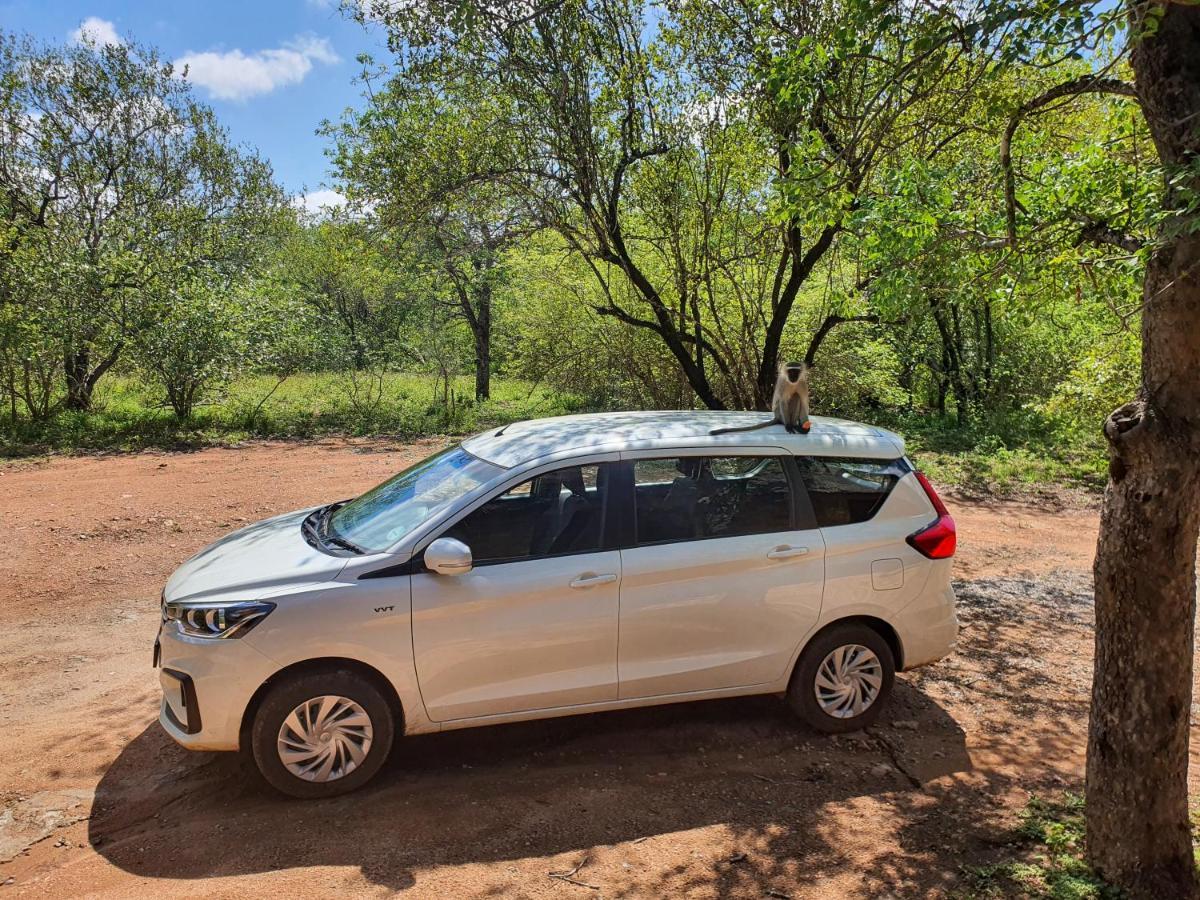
x: 254, y: 562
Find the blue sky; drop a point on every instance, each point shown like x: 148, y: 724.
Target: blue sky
x: 272, y: 69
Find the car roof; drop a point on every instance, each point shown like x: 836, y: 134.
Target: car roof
x: 527, y: 441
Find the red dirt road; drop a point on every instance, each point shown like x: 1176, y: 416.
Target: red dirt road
x: 729, y: 798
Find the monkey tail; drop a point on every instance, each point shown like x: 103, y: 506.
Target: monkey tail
x: 766, y: 424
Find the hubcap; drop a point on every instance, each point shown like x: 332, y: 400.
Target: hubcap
x: 848, y: 681
x: 325, y: 738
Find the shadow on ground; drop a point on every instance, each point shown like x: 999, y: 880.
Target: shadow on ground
x: 544, y: 788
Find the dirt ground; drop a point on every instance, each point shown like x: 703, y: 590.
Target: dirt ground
x: 716, y: 799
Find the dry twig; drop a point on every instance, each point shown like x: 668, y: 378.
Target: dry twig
x: 570, y: 878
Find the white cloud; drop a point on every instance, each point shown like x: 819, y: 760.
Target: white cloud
x: 314, y: 203
x: 94, y: 30
x: 234, y: 75
x: 321, y: 4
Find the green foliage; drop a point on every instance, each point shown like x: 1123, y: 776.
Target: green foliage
x: 857, y: 375
x: 120, y: 193
x: 193, y: 346
x: 632, y: 213
x: 129, y: 414
x: 358, y: 295
x: 1052, y: 867
x: 1104, y: 376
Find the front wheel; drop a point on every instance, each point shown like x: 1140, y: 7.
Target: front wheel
x: 321, y: 734
x: 842, y: 679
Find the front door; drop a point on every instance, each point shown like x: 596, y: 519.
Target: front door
x: 533, y: 625
x: 724, y: 576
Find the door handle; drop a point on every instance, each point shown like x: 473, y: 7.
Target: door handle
x: 586, y: 581
x: 786, y: 552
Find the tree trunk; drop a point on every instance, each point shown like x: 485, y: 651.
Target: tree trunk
x: 943, y: 382
x: 1137, y: 804
x: 483, y: 344
x: 82, y: 378
x: 79, y: 391
x: 989, y: 348
x: 12, y: 397
x: 801, y: 268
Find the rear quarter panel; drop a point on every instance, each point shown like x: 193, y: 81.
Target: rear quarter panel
x: 854, y: 588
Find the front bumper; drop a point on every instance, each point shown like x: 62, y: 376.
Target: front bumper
x: 207, y: 685
x: 180, y: 705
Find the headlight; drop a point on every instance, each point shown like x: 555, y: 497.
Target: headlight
x: 217, y: 620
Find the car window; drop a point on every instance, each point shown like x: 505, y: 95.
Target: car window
x: 846, y: 491
x: 386, y: 513
x: 699, y: 497
x: 553, y: 514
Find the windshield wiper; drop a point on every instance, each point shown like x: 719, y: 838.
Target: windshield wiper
x: 342, y: 542
x: 328, y: 537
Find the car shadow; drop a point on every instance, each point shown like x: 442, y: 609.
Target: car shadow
x: 541, y: 788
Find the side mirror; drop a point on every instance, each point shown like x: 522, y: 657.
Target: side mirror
x: 446, y: 556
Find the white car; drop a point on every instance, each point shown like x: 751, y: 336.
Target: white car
x: 561, y: 566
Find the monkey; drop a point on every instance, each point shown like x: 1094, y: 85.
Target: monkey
x: 789, y: 402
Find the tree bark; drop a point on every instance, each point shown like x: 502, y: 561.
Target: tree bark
x: 81, y: 377
x: 952, y: 367
x: 1137, y: 805
x: 482, y: 330
x: 75, y: 369
x: 475, y: 299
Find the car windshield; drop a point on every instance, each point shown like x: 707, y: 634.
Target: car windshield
x: 385, y: 514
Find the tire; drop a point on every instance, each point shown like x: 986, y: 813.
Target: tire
x: 331, y: 707
x: 837, y: 715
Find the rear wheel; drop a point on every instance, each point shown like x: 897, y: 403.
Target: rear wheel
x: 321, y: 734
x: 843, y: 678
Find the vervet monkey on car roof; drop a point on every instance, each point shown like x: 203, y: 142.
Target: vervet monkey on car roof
x: 789, y: 402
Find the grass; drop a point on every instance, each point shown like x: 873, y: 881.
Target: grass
x: 1003, y: 458
x: 1006, y: 471
x: 127, y: 415
x: 1050, y: 838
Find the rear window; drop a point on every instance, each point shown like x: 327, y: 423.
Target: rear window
x: 844, y: 491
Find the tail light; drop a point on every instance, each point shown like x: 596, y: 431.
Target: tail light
x: 938, y: 539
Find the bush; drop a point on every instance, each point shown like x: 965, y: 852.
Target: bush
x: 192, y: 347
x: 1103, y: 380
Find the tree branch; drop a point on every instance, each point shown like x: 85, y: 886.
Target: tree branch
x: 629, y: 319
x: 1101, y: 233
x: 1086, y: 84
x: 802, y: 266
x: 831, y: 322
